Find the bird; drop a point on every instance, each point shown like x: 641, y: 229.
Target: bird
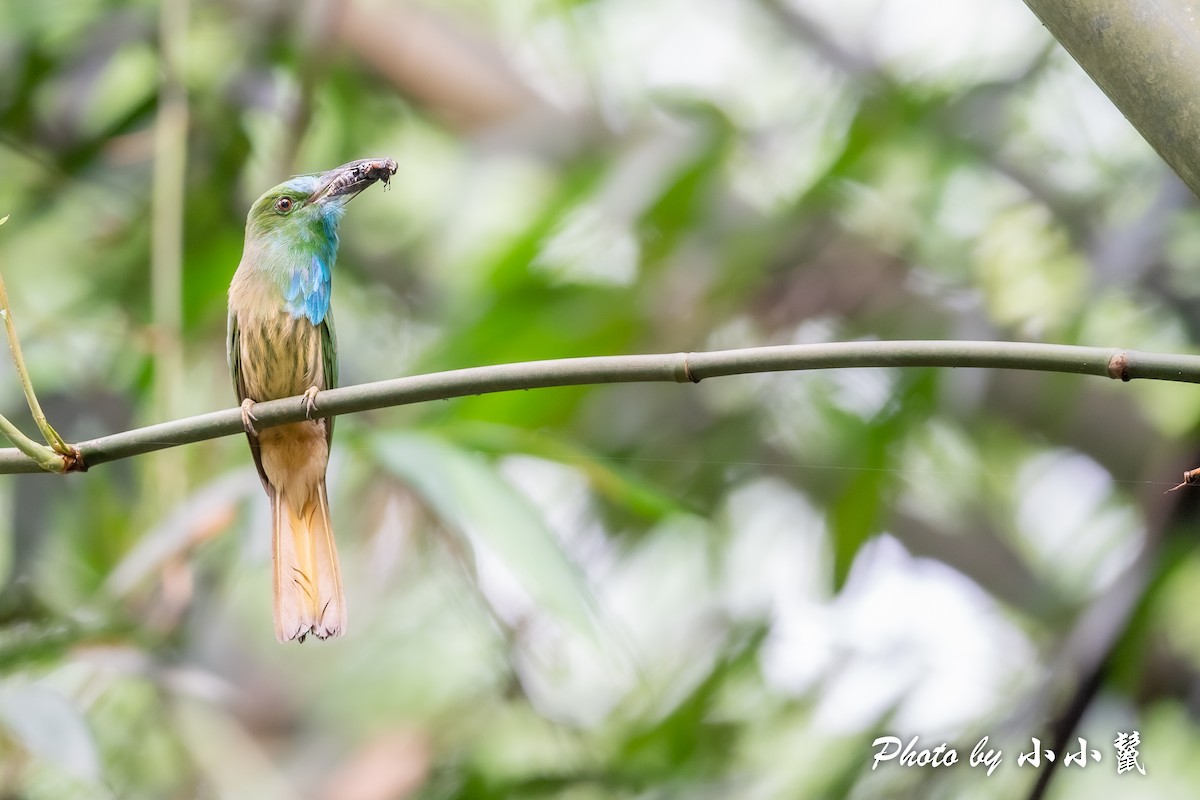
x: 281, y: 343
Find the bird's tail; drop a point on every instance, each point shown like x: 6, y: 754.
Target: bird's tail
x: 308, y: 580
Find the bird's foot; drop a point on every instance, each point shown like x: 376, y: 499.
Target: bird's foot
x: 310, y: 401
x: 248, y: 417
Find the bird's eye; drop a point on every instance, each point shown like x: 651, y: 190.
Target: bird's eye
x: 283, y: 205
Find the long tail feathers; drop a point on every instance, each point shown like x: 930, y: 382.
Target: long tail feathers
x: 308, y: 579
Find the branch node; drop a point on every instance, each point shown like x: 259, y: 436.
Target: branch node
x: 1118, y: 366
x: 687, y: 369
x: 73, y: 460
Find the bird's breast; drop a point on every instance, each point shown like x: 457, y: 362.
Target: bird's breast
x: 281, y: 355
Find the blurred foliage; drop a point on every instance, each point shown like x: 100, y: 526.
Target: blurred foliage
x: 621, y: 591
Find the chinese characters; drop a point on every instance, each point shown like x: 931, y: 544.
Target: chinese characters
x: 912, y: 754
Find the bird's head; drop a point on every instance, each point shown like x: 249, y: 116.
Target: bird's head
x: 306, y: 209
x: 291, y: 233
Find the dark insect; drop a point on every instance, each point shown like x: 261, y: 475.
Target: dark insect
x: 360, y: 174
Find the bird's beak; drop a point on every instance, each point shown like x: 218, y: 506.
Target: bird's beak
x: 346, y: 181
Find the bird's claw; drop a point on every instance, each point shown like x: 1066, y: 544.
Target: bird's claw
x: 310, y: 401
x: 248, y: 417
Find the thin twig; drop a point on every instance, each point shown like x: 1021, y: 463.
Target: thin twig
x: 674, y: 367
x: 46, y: 458
x: 14, y: 346
x: 42, y: 456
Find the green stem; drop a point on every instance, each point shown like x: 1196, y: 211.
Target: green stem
x: 14, y: 345
x: 47, y: 458
x: 41, y: 455
x: 676, y: 367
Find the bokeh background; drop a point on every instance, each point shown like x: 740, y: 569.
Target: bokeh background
x: 641, y: 591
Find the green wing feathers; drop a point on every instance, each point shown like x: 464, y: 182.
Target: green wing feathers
x: 329, y: 361
x: 233, y: 353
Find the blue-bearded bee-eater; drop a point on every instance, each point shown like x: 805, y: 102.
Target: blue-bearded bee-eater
x: 281, y: 344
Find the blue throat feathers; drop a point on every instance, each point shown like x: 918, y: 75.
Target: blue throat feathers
x: 307, y: 292
x: 306, y: 284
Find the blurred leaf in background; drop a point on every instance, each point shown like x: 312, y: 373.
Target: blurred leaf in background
x: 616, y: 591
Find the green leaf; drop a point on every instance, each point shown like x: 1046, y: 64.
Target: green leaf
x: 855, y: 516
x: 474, y: 501
x: 691, y: 733
x: 678, y: 208
x: 50, y: 727
x: 857, y: 513
x: 609, y: 481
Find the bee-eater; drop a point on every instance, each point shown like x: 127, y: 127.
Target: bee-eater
x: 281, y: 344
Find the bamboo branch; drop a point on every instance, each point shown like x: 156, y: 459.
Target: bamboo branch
x: 1145, y: 55
x: 675, y: 367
